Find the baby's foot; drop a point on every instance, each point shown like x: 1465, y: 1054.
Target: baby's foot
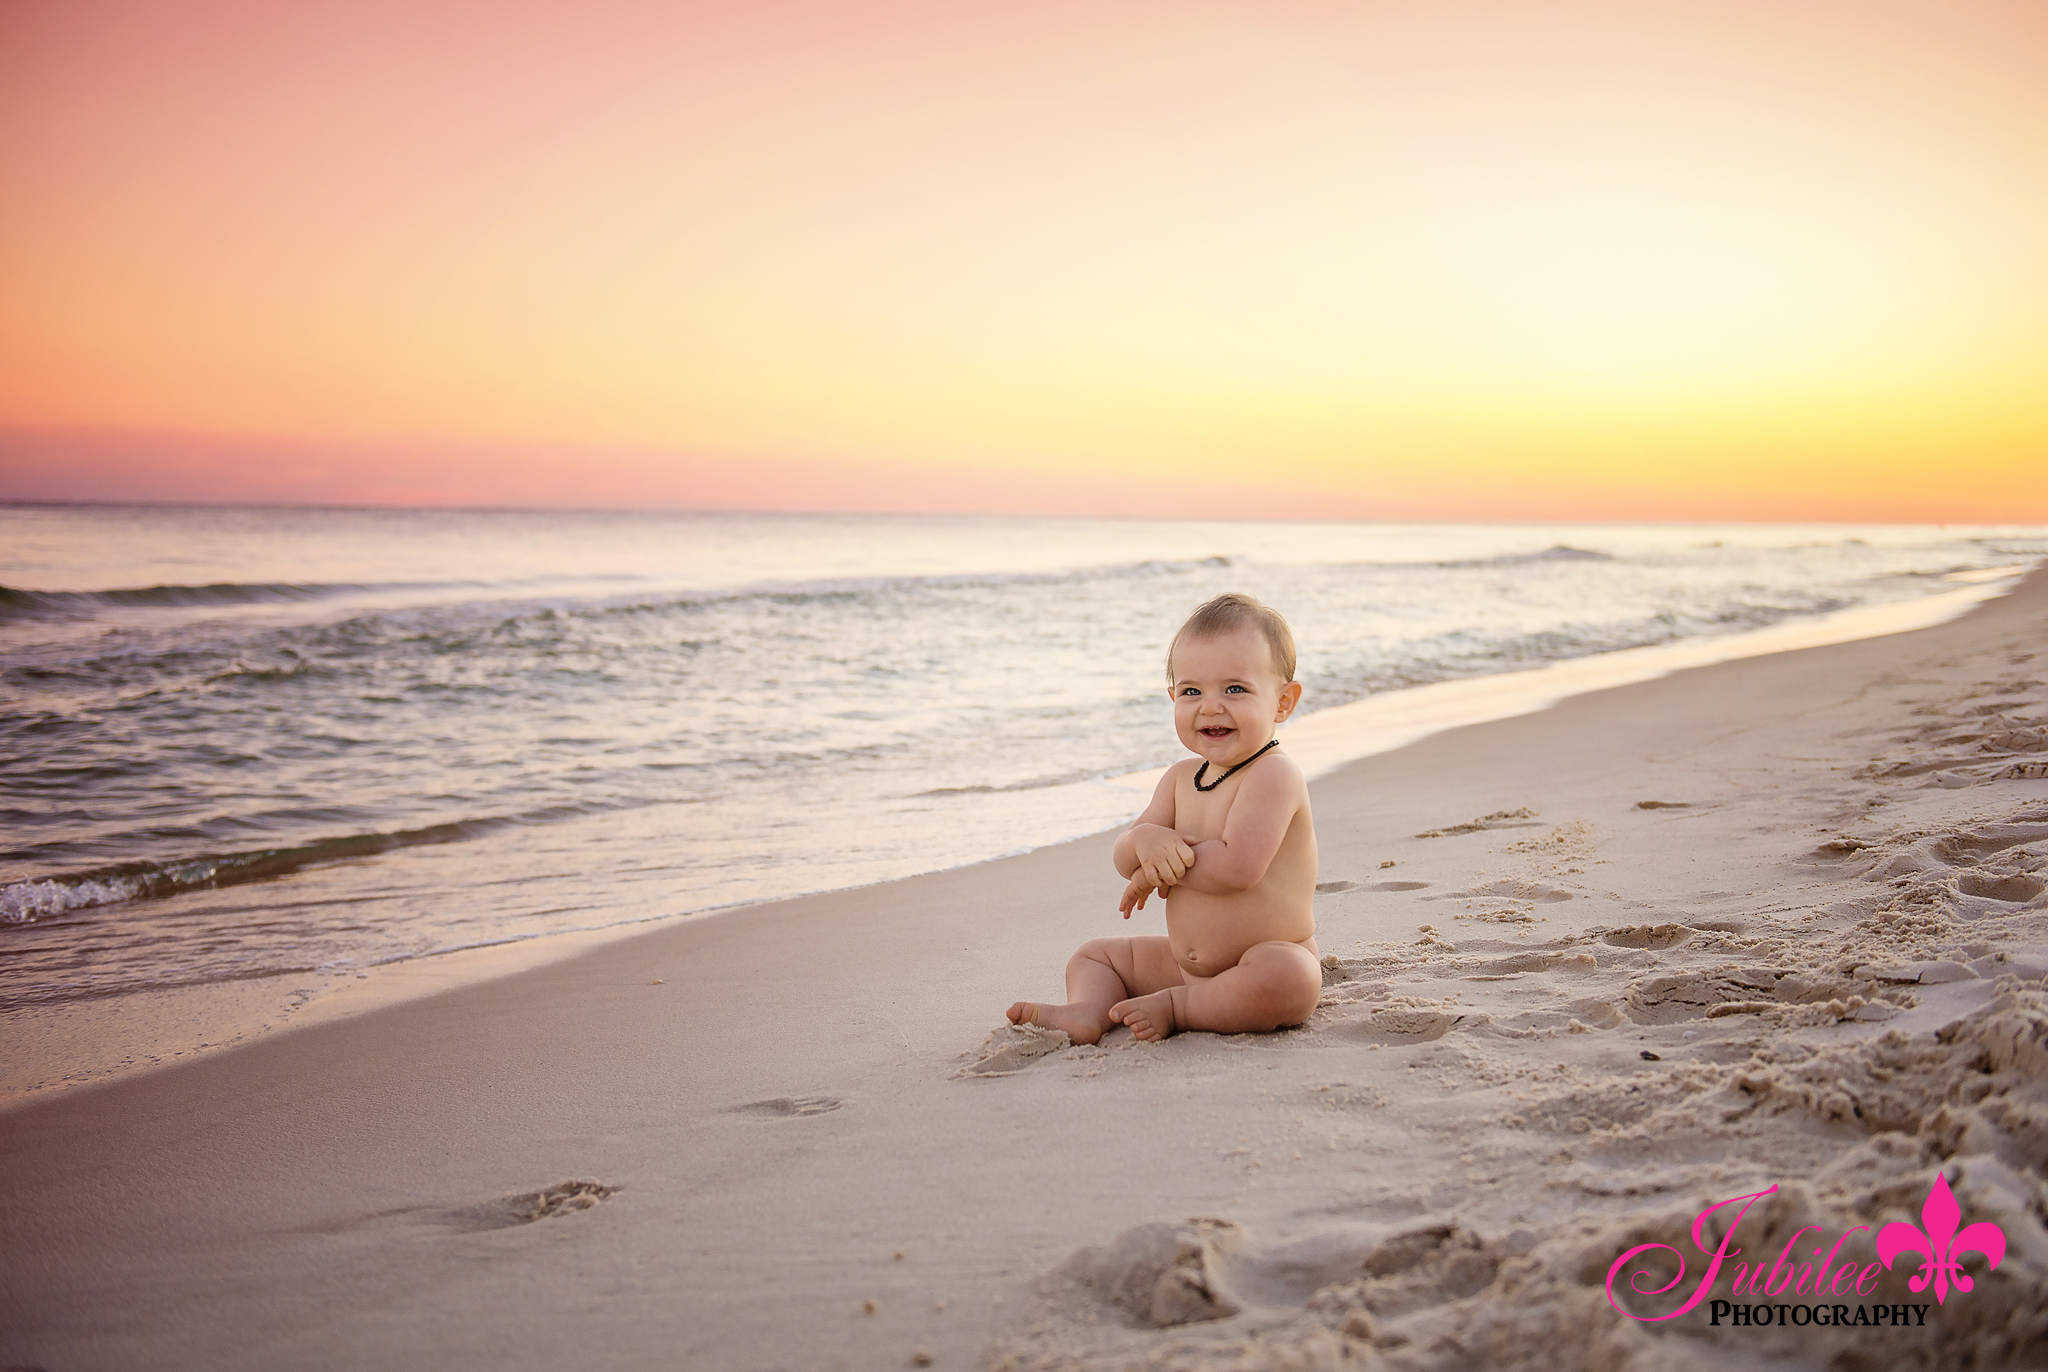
x: 1081, y: 1023
x: 1147, y: 1017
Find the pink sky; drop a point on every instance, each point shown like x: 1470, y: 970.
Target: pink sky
x: 1468, y: 260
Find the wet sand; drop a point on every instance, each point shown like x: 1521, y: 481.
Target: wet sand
x: 1809, y: 886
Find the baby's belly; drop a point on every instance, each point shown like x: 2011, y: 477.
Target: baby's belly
x: 1210, y: 933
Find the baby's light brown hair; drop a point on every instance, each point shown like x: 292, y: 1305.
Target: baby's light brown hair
x: 1232, y: 611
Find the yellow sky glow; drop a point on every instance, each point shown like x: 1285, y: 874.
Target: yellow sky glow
x: 1487, y: 260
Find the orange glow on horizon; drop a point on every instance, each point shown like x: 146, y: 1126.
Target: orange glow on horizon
x: 1499, y: 260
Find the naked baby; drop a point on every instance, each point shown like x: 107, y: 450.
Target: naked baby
x: 1227, y: 843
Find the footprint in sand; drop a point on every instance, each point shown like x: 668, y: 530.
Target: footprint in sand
x: 1532, y: 892
x: 1526, y: 892
x: 788, y: 1107
x: 1324, y: 888
x: 1500, y: 819
x: 1186, y: 1275
x: 1992, y: 742
x: 506, y: 1212
x: 1553, y: 961
x: 1012, y: 1048
x: 2017, y: 890
x: 1988, y: 871
x: 1400, y: 886
x: 1650, y: 936
x: 1399, y: 1026
x: 510, y: 1211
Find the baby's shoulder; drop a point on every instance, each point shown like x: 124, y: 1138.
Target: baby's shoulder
x: 1275, y: 780
x: 1177, y: 776
x: 1282, y: 769
x: 1172, y: 782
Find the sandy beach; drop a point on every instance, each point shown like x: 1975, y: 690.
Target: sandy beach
x: 1775, y: 922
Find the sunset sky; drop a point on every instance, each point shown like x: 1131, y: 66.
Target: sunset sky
x: 1740, y: 259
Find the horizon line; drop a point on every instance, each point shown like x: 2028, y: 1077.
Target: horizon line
x: 29, y: 502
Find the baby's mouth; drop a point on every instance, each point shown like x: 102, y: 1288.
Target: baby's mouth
x: 1217, y: 731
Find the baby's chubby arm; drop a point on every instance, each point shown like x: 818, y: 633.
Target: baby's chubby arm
x: 1152, y: 847
x: 1272, y: 794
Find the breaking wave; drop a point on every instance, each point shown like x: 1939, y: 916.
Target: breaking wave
x: 19, y: 602
x: 25, y: 902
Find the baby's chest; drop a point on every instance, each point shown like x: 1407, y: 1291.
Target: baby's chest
x: 1201, y: 813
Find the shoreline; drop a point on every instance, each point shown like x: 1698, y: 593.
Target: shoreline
x: 82, y: 1043
x: 1325, y: 740
x: 1557, y: 1022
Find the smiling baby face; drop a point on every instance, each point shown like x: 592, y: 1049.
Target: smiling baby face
x: 1228, y: 694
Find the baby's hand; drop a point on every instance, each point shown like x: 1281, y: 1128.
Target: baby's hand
x: 1136, y: 894
x: 1163, y: 855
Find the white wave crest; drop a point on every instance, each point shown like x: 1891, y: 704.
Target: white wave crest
x: 27, y: 901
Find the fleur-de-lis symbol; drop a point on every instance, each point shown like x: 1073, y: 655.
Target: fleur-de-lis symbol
x: 1940, y: 1246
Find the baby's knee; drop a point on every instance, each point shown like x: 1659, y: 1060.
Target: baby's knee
x: 1308, y: 993
x: 1295, y: 982
x: 1095, y: 950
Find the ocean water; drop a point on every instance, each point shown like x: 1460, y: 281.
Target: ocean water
x: 255, y: 742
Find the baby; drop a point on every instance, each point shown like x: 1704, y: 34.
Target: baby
x: 1226, y: 842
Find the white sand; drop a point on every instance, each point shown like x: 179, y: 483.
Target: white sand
x: 1831, y: 932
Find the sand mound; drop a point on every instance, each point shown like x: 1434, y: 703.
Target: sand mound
x: 1440, y: 1297
x: 1164, y: 1274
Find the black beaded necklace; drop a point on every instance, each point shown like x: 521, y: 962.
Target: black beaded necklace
x: 1203, y: 770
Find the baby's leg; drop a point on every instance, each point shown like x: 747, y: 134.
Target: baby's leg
x: 1102, y: 972
x: 1273, y: 984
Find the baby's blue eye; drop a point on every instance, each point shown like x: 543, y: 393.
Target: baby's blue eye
x: 1189, y: 691
x: 1228, y: 689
